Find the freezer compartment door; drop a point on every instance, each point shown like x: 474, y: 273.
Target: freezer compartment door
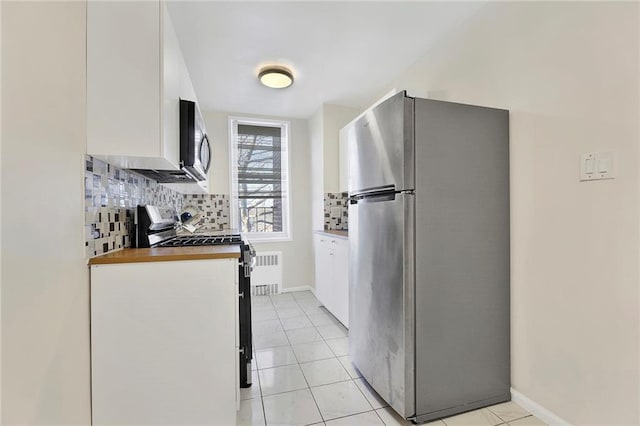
x: 381, y: 296
x: 381, y: 148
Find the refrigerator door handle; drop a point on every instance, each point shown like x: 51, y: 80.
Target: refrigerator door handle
x: 379, y: 193
x: 373, y: 190
x: 377, y: 196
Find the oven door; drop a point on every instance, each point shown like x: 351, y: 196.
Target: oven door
x: 244, y: 306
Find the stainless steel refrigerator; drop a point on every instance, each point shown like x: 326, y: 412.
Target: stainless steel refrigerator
x: 429, y: 250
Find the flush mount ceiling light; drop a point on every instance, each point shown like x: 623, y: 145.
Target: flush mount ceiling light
x: 275, y: 77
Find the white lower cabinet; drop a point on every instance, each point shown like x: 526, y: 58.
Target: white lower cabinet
x: 164, y: 343
x: 332, y: 275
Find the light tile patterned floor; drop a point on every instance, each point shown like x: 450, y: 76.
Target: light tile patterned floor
x: 302, y: 374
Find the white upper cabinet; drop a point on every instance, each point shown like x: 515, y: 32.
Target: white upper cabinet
x: 124, y: 90
x: 176, y: 82
x: 136, y: 75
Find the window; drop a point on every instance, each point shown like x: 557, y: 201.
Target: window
x: 260, y: 178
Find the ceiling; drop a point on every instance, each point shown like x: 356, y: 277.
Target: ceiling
x: 342, y: 53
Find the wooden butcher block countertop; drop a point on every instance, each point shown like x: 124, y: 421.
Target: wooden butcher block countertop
x: 165, y: 254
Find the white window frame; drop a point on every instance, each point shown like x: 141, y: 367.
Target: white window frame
x: 287, y: 233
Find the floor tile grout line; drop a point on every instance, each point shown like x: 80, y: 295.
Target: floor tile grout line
x: 357, y: 414
x: 378, y: 414
x: 288, y: 391
x: 345, y: 370
x: 316, y: 327
x: 335, y: 356
x: 322, y: 337
x: 325, y: 340
x: 305, y: 377
x: 264, y: 412
x: 298, y: 364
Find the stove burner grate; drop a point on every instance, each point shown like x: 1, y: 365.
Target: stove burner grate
x: 202, y: 240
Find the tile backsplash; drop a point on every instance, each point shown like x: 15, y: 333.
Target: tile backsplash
x: 336, y: 211
x: 214, y: 209
x: 112, y: 194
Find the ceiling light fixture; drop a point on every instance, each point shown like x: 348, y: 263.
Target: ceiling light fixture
x: 276, y: 77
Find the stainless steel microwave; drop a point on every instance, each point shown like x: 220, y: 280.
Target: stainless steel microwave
x: 195, y: 151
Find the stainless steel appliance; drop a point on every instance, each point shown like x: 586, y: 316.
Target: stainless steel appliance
x: 156, y: 228
x: 429, y: 248
x: 195, y: 151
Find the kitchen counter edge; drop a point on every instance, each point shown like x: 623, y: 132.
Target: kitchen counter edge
x: 167, y: 254
x: 339, y: 234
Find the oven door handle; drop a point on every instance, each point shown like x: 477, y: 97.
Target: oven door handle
x: 249, y: 263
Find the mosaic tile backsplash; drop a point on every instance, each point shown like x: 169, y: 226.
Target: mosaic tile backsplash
x: 214, y: 209
x: 112, y: 194
x: 336, y: 211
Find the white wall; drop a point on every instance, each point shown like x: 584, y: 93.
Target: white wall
x: 298, y: 266
x: 324, y: 127
x: 569, y: 73
x: 317, y: 169
x: 334, y: 118
x: 45, y: 286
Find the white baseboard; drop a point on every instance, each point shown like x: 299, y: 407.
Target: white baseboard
x: 537, y: 410
x: 299, y: 288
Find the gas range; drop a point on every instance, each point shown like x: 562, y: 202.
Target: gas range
x: 158, y: 227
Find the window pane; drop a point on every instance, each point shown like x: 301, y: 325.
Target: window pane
x: 259, y: 178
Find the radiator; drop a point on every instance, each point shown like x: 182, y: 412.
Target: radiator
x: 266, y: 277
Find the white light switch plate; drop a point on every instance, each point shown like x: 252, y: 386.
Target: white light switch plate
x: 596, y: 166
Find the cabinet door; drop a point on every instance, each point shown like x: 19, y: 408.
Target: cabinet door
x: 177, y: 85
x: 173, y: 73
x: 323, y: 270
x: 163, y: 343
x: 123, y: 78
x: 340, y: 270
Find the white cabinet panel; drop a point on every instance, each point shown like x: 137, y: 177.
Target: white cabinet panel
x: 341, y: 278
x: 177, y: 85
x: 322, y: 268
x: 172, y: 73
x: 332, y: 275
x: 136, y: 76
x: 163, y: 343
x: 123, y: 79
